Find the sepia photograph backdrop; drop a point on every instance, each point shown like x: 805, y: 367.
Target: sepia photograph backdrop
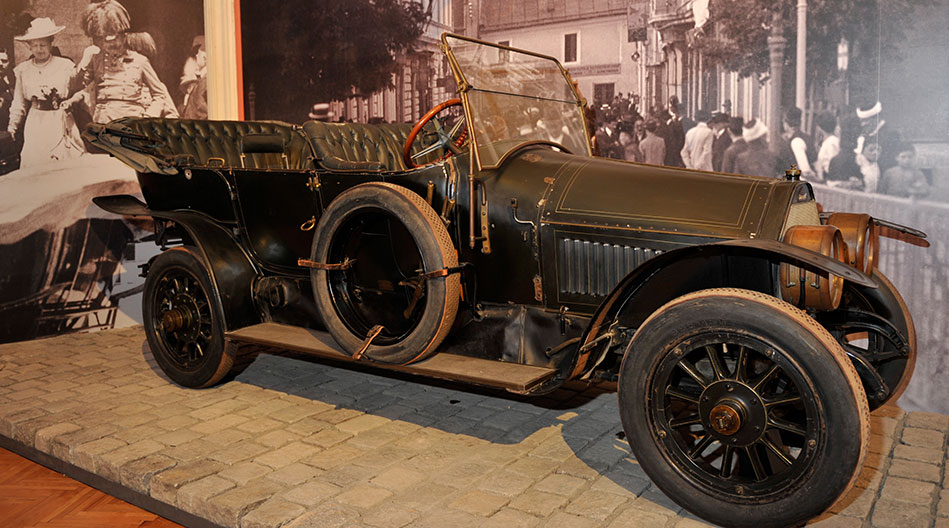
x: 65, y: 265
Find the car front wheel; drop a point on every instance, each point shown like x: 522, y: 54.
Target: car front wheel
x: 743, y: 409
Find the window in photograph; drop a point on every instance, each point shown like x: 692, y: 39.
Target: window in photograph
x: 603, y: 93
x: 570, y: 47
x: 504, y: 55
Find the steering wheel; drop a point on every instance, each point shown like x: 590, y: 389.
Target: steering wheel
x: 450, y: 141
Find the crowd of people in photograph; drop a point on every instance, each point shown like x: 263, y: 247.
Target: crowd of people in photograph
x: 854, y: 150
x: 47, y: 98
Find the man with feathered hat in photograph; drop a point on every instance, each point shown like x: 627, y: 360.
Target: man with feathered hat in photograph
x: 121, y: 79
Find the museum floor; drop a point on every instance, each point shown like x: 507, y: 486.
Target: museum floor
x: 294, y: 442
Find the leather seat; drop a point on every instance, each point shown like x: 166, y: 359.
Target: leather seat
x: 357, y: 146
x: 198, y: 142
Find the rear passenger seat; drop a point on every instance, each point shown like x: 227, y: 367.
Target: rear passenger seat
x: 202, y: 142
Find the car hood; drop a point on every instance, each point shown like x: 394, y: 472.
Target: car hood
x: 590, y: 191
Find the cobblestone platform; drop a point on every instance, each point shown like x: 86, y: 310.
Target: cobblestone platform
x: 293, y: 442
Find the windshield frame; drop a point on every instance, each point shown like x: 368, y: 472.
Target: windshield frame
x: 464, y: 87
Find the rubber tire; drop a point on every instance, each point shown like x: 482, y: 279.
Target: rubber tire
x: 823, y: 362
x: 438, y: 252
x: 218, y: 358
x: 885, y: 300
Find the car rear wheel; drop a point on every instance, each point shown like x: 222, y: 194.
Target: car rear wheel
x: 184, y: 321
x: 386, y: 239
x: 743, y: 409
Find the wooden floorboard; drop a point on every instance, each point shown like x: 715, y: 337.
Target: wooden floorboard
x: 488, y: 373
x: 33, y: 496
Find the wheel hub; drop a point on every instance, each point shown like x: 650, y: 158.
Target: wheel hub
x: 733, y: 412
x: 183, y: 318
x: 175, y: 319
x: 726, y: 418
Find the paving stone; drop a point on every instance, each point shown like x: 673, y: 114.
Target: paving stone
x: 897, y: 514
x: 195, y: 496
x: 286, y: 455
x: 260, y: 425
x: 274, y: 512
x: 333, y: 457
x: 538, y: 502
x: 363, y: 496
x: 327, y: 437
x: 238, y: 452
x: 312, y: 493
x: 87, y: 455
x: 389, y: 516
x: 916, y: 470
x: 561, y: 485
x: 244, y: 472
x: 906, y: 490
x: 193, y: 450
x: 881, y: 444
x: 44, y: 437
x: 915, y: 436
x: 176, y: 438
x: 480, y: 503
x: 218, y: 424
x: 621, y: 484
x: 398, y: 478
x: 138, y: 474
x: 362, y: 423
x: 883, y: 425
x: 165, y: 485
x: 173, y: 423
x: 463, y: 475
x: 939, y: 422
x: 110, y: 464
x: 330, y: 515
x: 595, y: 504
x: 532, y: 467
x: 919, y: 454
x: 511, y: 518
x: 943, y: 509
x: 227, y: 508
x: 634, y: 517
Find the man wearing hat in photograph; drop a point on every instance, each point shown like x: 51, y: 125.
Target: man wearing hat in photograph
x: 121, y: 81
x: 41, y: 99
x: 875, y: 130
x: 719, y: 125
x: 795, y: 146
x: 757, y: 159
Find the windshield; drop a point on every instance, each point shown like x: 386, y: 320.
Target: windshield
x: 516, y: 96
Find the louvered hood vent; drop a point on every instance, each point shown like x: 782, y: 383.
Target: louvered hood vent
x: 592, y: 268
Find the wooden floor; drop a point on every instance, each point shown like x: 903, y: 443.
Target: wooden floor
x: 34, y: 496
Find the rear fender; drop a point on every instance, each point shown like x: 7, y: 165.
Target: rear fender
x: 742, y: 263
x: 231, y: 269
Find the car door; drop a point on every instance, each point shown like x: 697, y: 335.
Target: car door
x: 278, y: 210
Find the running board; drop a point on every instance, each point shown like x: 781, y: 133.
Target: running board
x: 509, y: 376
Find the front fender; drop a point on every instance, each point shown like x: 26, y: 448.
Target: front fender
x: 739, y: 263
x: 230, y: 267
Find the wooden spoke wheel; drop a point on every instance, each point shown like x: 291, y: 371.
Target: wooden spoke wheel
x: 743, y: 409
x: 184, y: 321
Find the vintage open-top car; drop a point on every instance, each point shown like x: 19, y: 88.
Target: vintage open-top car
x: 749, y: 334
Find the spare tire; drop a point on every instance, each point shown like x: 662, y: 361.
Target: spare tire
x: 390, y: 237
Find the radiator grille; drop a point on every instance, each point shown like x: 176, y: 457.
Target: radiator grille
x: 592, y: 268
x: 804, y: 213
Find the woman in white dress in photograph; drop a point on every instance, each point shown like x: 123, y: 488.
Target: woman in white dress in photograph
x: 42, y: 98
